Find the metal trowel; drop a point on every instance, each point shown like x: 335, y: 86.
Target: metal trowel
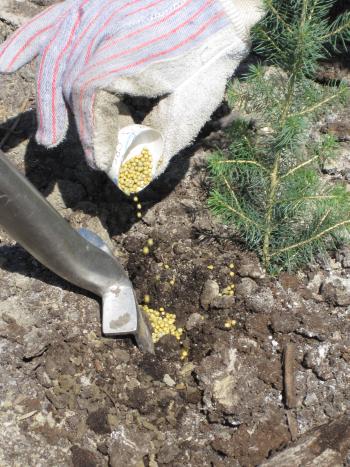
x: 80, y: 257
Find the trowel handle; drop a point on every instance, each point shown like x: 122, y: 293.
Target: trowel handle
x: 36, y: 225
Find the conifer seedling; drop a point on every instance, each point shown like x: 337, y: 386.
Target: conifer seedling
x: 268, y: 183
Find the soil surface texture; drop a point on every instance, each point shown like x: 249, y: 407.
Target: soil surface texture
x: 261, y: 372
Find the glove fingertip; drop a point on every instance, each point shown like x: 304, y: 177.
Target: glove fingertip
x: 46, y: 139
x: 11, y: 59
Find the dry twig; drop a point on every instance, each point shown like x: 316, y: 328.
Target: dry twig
x: 290, y: 397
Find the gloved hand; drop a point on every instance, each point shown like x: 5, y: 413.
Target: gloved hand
x: 92, y: 52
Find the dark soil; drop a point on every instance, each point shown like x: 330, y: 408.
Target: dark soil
x: 70, y: 397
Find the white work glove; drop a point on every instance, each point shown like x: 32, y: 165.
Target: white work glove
x: 92, y: 52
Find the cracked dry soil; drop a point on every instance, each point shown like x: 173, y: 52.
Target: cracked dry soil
x: 70, y: 397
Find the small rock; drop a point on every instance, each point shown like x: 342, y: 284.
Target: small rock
x: 187, y: 369
x: 246, y: 287
x: 113, y: 420
x: 345, y: 257
x: 168, y: 380
x: 181, y: 249
x: 98, y: 422
x: 330, y: 167
x: 340, y: 129
x: 262, y: 301
x: 153, y: 366
x: 315, y: 282
x: 210, y: 291
x: 248, y: 268
x: 103, y: 448
x: 129, y: 447
x: 218, y: 374
x: 224, y: 446
x: 192, y: 395
x: 121, y: 356
x: 193, y: 321
x: 336, y: 290
x: 168, y: 452
x: 83, y: 457
x: 35, y: 344
x: 284, y: 322
x: 162, y: 218
x: 188, y: 203
x: 43, y: 378
x: 310, y: 399
x: 150, y: 217
x: 316, y: 360
x: 222, y: 303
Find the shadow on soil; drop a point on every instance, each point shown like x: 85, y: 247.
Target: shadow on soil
x: 66, y: 163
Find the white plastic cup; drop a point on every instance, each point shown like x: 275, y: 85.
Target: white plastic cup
x: 131, y: 140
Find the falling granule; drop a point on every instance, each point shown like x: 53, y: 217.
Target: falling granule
x: 136, y: 173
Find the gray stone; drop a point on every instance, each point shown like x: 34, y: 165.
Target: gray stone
x: 168, y: 380
x: 336, y: 289
x: 246, y: 287
x: 345, y: 257
x: 249, y: 268
x: 121, y: 356
x: 129, y: 447
x: 150, y: 217
x: 210, y: 291
x: 168, y: 452
x: 193, y: 321
x: 219, y: 374
x: 330, y: 167
x: 222, y: 303
x: 262, y: 301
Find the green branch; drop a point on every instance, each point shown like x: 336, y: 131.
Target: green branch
x: 283, y: 208
x: 311, y: 239
x: 238, y: 213
x: 240, y: 210
x: 300, y: 166
x: 275, y: 180
x: 244, y: 161
x: 324, y: 217
x: 337, y: 31
x: 308, y: 198
x: 268, y: 38
x: 318, y: 105
x: 277, y: 15
x: 312, y: 10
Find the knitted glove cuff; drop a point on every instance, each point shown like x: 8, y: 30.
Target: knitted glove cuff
x: 243, y: 14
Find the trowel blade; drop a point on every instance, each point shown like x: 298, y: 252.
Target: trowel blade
x: 120, y: 311
x: 122, y: 315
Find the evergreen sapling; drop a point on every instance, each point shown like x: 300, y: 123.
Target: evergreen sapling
x: 268, y: 182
